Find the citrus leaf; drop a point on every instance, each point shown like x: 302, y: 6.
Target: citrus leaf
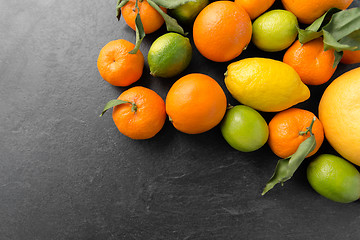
x: 286, y: 167
x: 307, y: 35
x: 140, y: 33
x: 111, y: 104
x: 352, y: 39
x: 171, y: 23
x: 343, y: 23
x: 338, y: 56
x: 312, y: 31
x: 119, y: 5
x: 331, y: 43
x: 171, y: 4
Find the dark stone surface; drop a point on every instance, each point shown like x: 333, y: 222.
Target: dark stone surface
x: 65, y: 173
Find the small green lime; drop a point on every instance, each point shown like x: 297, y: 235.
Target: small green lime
x: 334, y: 178
x: 169, y: 55
x: 275, y: 30
x: 187, y: 12
x: 244, y: 128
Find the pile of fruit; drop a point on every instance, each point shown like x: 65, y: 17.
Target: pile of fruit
x: 196, y: 102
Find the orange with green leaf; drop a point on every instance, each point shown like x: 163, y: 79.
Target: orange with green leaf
x: 138, y: 113
x: 147, y: 16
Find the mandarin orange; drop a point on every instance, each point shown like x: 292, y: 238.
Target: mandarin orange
x: 221, y: 31
x: 117, y: 66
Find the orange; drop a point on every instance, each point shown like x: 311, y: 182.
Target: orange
x: 311, y: 62
x: 255, y: 7
x: 117, y: 66
x: 148, y: 117
x: 150, y: 18
x: 221, y: 31
x: 351, y: 57
x: 286, y: 129
x: 339, y: 111
x: 308, y: 11
x: 195, y: 103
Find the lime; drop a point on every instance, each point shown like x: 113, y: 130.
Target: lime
x: 334, y: 178
x: 187, y: 12
x: 169, y: 55
x: 275, y: 30
x: 244, y: 128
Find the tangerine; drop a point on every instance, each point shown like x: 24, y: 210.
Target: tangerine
x: 222, y: 30
x: 150, y: 18
x: 117, y: 66
x: 287, y: 131
x: 195, y: 103
x: 311, y: 62
x: 350, y: 57
x: 143, y: 116
x: 308, y: 11
x: 255, y: 7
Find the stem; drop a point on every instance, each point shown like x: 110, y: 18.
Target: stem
x: 309, y: 129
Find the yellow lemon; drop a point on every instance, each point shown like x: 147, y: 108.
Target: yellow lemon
x: 339, y: 112
x: 265, y: 84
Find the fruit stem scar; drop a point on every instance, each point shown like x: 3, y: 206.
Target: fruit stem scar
x: 133, y: 107
x: 309, y: 129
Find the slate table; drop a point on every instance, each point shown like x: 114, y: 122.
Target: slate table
x: 65, y: 173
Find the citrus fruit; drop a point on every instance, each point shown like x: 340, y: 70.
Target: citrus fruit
x: 187, y: 12
x: 308, y: 11
x: 169, y: 55
x: 265, y: 84
x: 350, y: 57
x: 287, y: 131
x: 195, y: 103
x: 274, y: 30
x: 255, y: 7
x: 221, y: 31
x: 244, y: 128
x: 339, y: 112
x: 117, y: 66
x: 311, y: 62
x: 334, y: 178
x: 150, y: 18
x: 142, y: 120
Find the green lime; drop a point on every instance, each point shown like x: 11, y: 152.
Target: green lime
x: 244, y: 128
x: 334, y: 178
x: 275, y: 30
x: 187, y: 12
x: 169, y: 55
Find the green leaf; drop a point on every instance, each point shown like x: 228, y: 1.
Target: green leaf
x: 171, y: 4
x: 286, y: 168
x: 343, y: 23
x: 307, y: 35
x: 119, y: 5
x: 338, y: 56
x: 352, y: 39
x: 331, y: 43
x: 114, y: 103
x: 171, y: 23
x: 140, y: 33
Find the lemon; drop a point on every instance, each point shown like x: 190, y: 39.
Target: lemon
x: 169, y: 55
x: 275, y: 30
x: 265, y: 84
x: 187, y: 12
x: 339, y: 112
x: 334, y: 178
